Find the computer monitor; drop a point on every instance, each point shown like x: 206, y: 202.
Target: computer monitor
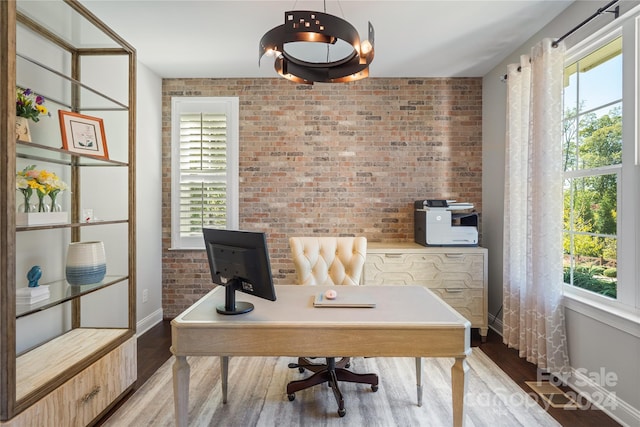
x: 239, y: 261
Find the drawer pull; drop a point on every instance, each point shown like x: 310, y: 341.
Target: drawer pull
x: 87, y: 397
x: 393, y: 255
x: 454, y: 290
x: 454, y: 255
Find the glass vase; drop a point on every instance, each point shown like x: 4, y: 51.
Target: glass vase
x: 55, y: 206
x: 26, y: 206
x: 42, y: 206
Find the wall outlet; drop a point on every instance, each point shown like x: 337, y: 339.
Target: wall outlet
x: 145, y: 295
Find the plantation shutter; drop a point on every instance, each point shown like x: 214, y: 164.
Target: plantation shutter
x: 203, y: 172
x: 204, y: 168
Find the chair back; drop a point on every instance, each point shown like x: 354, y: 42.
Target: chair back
x: 328, y: 260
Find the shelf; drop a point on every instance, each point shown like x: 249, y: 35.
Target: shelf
x: 61, y: 291
x: 67, y: 23
x: 70, y: 225
x: 92, y: 100
x: 43, y: 364
x: 35, y: 151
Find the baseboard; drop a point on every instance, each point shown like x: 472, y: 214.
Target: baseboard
x: 495, y: 323
x: 148, y: 322
x: 588, y: 392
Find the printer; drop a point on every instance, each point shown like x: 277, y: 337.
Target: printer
x: 445, y: 223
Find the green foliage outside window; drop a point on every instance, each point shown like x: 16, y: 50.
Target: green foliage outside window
x: 590, y: 214
x: 588, y: 278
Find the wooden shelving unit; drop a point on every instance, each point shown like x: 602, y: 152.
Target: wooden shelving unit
x: 70, y: 358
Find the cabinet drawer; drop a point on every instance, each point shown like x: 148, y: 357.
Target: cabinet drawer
x: 468, y: 302
x: 457, y: 275
x: 81, y: 399
x: 438, y: 270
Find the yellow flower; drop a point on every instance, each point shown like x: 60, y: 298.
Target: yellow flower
x: 30, y: 105
x: 45, y: 176
x: 43, y: 181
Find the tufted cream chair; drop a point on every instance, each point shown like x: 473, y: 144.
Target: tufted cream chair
x: 328, y: 260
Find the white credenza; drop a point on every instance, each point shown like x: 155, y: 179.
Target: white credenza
x: 457, y: 274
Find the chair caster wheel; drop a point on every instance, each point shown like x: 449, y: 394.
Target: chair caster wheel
x: 291, y: 397
x: 342, y: 412
x: 301, y: 370
x: 374, y: 388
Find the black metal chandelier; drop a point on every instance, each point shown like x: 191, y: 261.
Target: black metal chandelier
x: 317, y: 27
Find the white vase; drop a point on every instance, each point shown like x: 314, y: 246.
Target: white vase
x: 86, y: 263
x: 22, y: 129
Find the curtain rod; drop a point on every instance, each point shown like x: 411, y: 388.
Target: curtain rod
x: 598, y: 12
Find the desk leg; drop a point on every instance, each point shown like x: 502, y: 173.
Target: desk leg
x: 458, y: 386
x: 224, y: 375
x: 181, y: 390
x: 419, y: 379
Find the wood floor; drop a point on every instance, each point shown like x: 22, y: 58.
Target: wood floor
x: 520, y: 371
x: 153, y: 351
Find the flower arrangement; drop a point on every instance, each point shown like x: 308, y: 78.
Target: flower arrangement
x: 44, y: 183
x: 30, y: 105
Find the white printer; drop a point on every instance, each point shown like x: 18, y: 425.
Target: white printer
x: 445, y: 223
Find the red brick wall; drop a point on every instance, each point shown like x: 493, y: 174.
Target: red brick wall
x: 333, y: 159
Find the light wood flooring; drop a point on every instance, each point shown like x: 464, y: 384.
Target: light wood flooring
x: 153, y: 351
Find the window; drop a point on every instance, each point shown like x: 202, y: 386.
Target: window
x: 592, y: 159
x: 600, y: 168
x: 204, y: 168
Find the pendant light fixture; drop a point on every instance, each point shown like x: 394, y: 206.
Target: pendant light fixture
x: 315, y: 47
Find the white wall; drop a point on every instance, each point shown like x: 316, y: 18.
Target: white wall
x: 149, y: 198
x: 594, y: 344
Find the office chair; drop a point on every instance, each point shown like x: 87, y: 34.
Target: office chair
x: 328, y: 261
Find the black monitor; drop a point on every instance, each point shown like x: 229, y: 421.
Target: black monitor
x: 239, y: 261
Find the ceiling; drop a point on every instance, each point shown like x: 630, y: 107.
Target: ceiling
x: 217, y: 39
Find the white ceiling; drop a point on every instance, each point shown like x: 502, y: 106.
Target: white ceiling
x: 214, y: 38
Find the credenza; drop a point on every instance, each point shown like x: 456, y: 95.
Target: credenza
x: 457, y: 274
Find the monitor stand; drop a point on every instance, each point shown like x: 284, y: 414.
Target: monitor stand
x: 230, y: 305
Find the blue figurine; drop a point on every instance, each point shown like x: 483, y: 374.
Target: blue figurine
x: 34, y: 275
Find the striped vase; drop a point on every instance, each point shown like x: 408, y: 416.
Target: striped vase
x: 86, y: 263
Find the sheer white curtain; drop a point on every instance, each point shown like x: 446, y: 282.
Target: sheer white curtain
x: 533, y: 320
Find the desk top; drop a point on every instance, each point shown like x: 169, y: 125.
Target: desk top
x: 408, y: 321
x: 396, y: 306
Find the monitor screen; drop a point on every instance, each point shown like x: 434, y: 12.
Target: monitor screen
x: 239, y: 261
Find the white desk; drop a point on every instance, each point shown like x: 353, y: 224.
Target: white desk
x: 408, y: 321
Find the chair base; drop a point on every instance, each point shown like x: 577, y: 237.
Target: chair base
x: 330, y: 373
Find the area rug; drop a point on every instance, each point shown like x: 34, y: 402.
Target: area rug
x: 257, y: 397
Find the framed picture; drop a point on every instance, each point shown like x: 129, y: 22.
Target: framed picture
x: 83, y: 134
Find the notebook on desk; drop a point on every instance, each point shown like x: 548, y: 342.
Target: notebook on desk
x: 357, y: 300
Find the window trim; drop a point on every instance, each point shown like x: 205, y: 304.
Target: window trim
x: 602, y: 309
x: 597, y: 40
x: 198, y: 104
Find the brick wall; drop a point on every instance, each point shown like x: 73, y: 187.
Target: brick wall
x: 333, y: 159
